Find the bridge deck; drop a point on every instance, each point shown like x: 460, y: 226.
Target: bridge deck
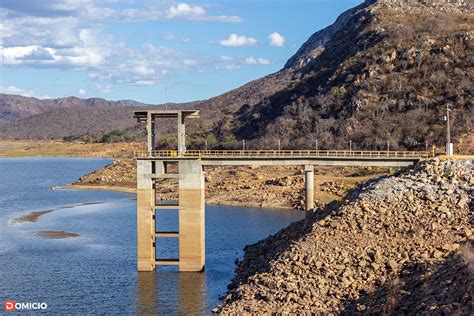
x: 290, y: 157
x: 249, y: 154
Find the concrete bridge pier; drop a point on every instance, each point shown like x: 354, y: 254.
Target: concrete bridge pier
x: 309, y: 187
x: 191, y: 216
x: 145, y: 216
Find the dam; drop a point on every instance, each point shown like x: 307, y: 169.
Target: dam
x: 187, y: 167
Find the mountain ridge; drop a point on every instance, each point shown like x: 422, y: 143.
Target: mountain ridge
x: 383, y: 72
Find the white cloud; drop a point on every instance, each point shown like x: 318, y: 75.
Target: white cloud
x: 238, y: 40
x: 276, y: 39
x: 103, y: 88
x: 81, y: 92
x: 143, y: 70
x: 198, y: 13
x: 228, y: 67
x: 256, y: 61
x: 185, y: 10
x: 18, y: 91
x: 227, y: 58
x: 168, y: 37
x: 97, y: 11
x: 155, y: 11
x: 190, y: 62
x: 144, y: 82
x: 104, y: 59
x: 72, y: 34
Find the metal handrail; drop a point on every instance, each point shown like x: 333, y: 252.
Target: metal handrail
x: 284, y: 154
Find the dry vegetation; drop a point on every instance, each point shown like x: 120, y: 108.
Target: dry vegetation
x: 386, y: 76
x: 67, y: 149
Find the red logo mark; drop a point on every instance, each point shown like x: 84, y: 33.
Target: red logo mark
x: 9, y: 305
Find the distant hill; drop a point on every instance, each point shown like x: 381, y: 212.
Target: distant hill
x: 71, y: 118
x: 15, y: 107
x: 383, y: 72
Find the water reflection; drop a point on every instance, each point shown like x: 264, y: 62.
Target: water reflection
x: 191, y: 293
x: 171, y: 292
x: 146, y: 293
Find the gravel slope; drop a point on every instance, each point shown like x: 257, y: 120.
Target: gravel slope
x: 396, y: 245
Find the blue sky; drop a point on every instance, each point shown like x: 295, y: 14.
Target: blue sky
x: 151, y: 51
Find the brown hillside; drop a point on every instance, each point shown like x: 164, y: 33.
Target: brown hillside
x: 387, y: 74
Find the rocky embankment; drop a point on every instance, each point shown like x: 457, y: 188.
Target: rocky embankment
x: 271, y: 187
x: 396, y: 245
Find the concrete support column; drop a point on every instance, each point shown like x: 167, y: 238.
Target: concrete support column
x: 309, y: 186
x: 153, y: 135
x: 149, y: 133
x: 191, y: 216
x: 145, y: 217
x: 181, y: 134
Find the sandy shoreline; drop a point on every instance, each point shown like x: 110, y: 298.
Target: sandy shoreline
x: 98, y: 187
x: 134, y: 191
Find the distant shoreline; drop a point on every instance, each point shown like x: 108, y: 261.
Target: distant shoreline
x: 134, y: 191
x: 98, y: 187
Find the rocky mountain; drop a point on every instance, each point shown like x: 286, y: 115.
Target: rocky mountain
x: 384, y: 72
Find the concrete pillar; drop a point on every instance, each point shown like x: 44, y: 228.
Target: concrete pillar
x: 181, y: 134
x: 449, y: 149
x: 145, y: 217
x: 153, y: 134
x: 309, y: 185
x: 149, y: 133
x: 191, y: 216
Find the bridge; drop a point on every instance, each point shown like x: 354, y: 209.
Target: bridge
x: 187, y: 168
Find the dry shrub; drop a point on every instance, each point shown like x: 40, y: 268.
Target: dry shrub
x: 393, y: 296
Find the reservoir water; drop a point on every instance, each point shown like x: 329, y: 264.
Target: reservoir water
x: 95, y: 273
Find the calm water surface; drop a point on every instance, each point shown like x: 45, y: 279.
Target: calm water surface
x: 96, y: 272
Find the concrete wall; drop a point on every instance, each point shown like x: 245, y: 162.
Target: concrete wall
x: 145, y: 217
x: 191, y: 216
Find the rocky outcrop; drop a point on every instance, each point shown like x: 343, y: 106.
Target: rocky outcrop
x: 315, y: 45
x: 440, y: 5
x: 393, y: 245
x: 384, y: 71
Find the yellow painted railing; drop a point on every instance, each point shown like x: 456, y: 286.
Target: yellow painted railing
x: 284, y: 154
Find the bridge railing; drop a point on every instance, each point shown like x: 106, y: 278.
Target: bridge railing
x: 284, y: 154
